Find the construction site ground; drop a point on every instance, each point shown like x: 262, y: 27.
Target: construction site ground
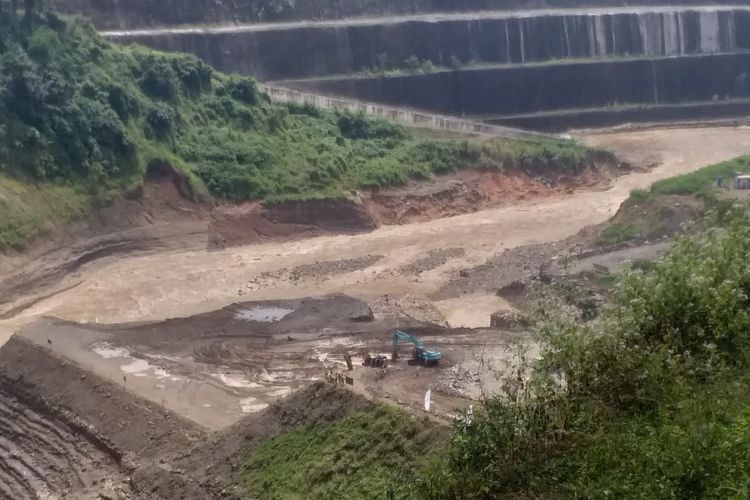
x: 191, y: 340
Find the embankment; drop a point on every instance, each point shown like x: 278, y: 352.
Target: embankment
x: 75, y: 434
x: 161, y: 219
x: 500, y: 93
x: 306, y: 50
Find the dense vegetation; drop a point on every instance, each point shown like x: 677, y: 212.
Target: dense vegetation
x: 79, y: 113
x: 373, y: 453
x: 650, y: 401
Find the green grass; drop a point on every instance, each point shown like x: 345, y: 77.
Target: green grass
x: 617, y: 233
x: 698, y: 183
x: 370, y: 454
x: 26, y: 211
x: 646, y: 212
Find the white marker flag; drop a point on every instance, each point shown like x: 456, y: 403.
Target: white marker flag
x: 427, y: 400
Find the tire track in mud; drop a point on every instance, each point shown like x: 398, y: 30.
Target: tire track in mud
x: 42, y: 456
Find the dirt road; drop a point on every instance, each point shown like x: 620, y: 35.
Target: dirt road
x: 180, y: 283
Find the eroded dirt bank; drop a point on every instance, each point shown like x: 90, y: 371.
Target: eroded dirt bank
x: 180, y: 281
x: 164, y: 215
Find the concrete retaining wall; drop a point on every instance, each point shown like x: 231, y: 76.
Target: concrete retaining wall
x: 404, y: 116
x: 488, y: 93
x: 338, y: 48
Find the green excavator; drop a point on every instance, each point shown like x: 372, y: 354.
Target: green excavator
x: 420, y: 354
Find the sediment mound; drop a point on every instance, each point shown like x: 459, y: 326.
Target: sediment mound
x: 258, y: 222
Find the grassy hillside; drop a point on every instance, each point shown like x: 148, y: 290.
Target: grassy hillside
x: 81, y: 113
x: 374, y: 453
x: 659, y: 210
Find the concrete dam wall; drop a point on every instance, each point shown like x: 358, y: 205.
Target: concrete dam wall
x: 491, y: 93
x: 274, y: 52
x: 542, y: 69
x: 129, y: 14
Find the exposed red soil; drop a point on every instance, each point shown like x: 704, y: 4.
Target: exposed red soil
x: 473, y: 190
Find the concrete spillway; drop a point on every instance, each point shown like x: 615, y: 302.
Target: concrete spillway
x: 505, y: 65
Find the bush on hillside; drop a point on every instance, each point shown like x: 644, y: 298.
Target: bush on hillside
x: 158, y: 78
x: 358, y: 126
x: 643, y: 402
x: 77, y: 109
x: 243, y: 89
x: 161, y: 119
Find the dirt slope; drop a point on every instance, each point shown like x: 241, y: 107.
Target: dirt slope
x: 45, y: 456
x: 132, y: 429
x: 209, y: 470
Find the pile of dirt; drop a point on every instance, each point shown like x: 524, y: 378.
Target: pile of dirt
x: 503, y: 269
x: 418, y: 308
x: 43, y: 456
x: 69, y: 433
x: 434, y: 259
x: 331, y: 313
x: 131, y: 425
x: 256, y: 222
x: 319, y: 270
x: 210, y: 470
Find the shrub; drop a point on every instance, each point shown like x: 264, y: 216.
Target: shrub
x: 617, y: 233
x: 122, y: 101
x: 650, y: 401
x: 243, y: 89
x: 358, y: 126
x: 412, y: 63
x: 306, y: 109
x: 43, y: 45
x: 158, y: 78
x: 194, y: 74
x: 161, y: 119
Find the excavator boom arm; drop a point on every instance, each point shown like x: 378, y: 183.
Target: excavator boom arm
x: 399, y: 335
